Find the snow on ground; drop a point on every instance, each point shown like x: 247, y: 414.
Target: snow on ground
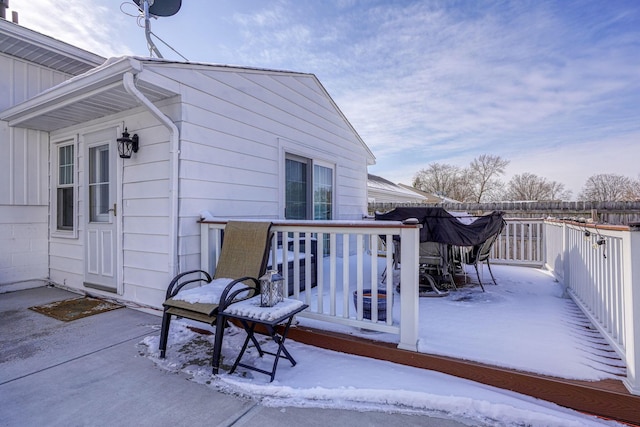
x: 523, y: 323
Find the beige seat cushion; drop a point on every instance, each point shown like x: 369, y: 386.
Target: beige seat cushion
x: 243, y: 254
x: 244, y: 250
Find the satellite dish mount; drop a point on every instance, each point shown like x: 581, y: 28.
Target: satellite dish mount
x: 156, y: 8
x: 147, y: 29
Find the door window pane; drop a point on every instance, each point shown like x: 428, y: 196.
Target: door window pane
x: 99, y: 188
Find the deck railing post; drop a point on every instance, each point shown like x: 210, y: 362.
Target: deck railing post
x: 566, y: 261
x: 631, y: 301
x: 205, y: 250
x: 409, y: 316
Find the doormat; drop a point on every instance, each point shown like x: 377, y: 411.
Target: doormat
x: 72, y: 309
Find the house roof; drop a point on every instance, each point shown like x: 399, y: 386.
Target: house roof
x: 402, y: 192
x: 430, y: 198
x: 20, y: 42
x: 100, y: 92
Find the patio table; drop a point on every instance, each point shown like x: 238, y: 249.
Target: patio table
x: 250, y: 314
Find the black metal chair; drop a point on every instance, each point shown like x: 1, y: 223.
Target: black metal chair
x: 243, y: 259
x: 479, y: 254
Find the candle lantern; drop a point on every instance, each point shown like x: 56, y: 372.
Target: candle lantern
x: 271, y: 288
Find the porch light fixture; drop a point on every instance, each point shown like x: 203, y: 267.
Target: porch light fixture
x: 127, y: 145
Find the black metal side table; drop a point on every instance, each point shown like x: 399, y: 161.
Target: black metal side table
x: 249, y: 313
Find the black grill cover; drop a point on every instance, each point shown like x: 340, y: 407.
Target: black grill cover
x: 440, y: 226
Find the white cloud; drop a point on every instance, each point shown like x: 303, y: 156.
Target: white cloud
x: 524, y: 86
x: 546, y: 85
x: 88, y: 24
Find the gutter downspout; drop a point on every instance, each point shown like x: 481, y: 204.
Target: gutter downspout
x: 174, y: 140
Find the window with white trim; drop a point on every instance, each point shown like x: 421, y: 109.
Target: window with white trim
x: 309, y: 186
x: 65, y: 187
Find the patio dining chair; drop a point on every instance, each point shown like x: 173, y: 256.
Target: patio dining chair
x: 243, y: 259
x: 479, y: 254
x: 434, y: 260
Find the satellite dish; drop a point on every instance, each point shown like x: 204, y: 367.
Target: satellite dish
x: 161, y: 7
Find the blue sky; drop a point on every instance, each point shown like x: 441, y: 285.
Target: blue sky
x: 552, y: 86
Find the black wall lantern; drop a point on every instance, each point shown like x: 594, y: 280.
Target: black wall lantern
x: 127, y: 145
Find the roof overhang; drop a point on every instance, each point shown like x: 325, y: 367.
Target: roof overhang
x: 95, y: 94
x: 31, y: 46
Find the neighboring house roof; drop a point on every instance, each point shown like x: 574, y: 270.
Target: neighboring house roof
x: 101, y: 92
x: 430, y: 198
x: 384, y: 191
x: 20, y: 42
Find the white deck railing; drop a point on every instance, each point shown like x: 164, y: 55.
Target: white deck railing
x: 603, y: 279
x: 521, y: 243
x: 600, y: 269
x: 329, y: 244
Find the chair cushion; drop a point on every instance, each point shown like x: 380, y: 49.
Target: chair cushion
x: 244, y: 250
x: 243, y: 254
x: 202, y: 300
x: 201, y: 312
x: 209, y: 293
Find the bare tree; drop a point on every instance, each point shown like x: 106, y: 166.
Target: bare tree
x: 463, y: 191
x: 443, y: 180
x: 558, y: 192
x: 528, y: 186
x: 609, y: 187
x: 476, y: 183
x: 633, y: 193
x: 484, y: 172
x: 437, y: 178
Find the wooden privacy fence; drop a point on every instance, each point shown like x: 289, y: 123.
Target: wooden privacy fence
x: 619, y: 213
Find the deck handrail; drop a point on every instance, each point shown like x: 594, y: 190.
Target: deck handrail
x: 599, y: 266
x: 521, y: 242
x: 607, y: 289
x: 332, y: 240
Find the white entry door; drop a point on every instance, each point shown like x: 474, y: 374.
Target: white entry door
x: 100, y: 211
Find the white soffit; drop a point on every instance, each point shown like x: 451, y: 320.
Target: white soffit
x: 31, y: 46
x: 96, y: 94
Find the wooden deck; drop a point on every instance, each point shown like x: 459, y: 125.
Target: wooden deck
x: 608, y: 399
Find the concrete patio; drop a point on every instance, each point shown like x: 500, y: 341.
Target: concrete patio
x: 89, y: 372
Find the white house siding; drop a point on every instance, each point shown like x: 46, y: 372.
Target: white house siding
x: 23, y: 179
x: 237, y: 125
x: 244, y: 118
x: 22, y: 80
x: 143, y: 211
x: 23, y: 239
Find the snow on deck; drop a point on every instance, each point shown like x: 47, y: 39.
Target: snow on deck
x: 523, y: 323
